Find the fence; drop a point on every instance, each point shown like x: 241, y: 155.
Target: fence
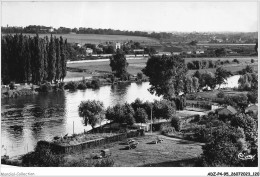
x: 56, y: 148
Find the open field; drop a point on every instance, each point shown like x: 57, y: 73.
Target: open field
x: 169, y: 153
x: 136, y: 65
x: 99, y: 38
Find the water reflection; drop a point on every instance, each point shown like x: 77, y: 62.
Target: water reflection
x: 26, y: 120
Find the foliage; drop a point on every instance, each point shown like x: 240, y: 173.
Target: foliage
x: 42, y: 157
x: 236, y: 61
x: 121, y: 114
x: 247, y: 69
x: 166, y: 129
x: 11, y: 86
x: 238, y: 101
x: 248, y: 81
x: 32, y: 59
x: 71, y: 85
x: 139, y: 76
x: 46, y: 87
x: 180, y: 102
x: 221, y: 52
x: 141, y: 116
x: 166, y: 75
x: 252, y: 96
x: 207, y: 79
x: 176, y: 123
x: 247, y: 123
x: 220, y: 94
x: 95, y: 84
x: 221, y: 75
x: 163, y: 109
x: 223, y: 147
x: 82, y: 86
x: 119, y: 64
x: 91, y: 111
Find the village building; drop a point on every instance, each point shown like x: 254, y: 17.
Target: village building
x: 252, y: 108
x: 199, y: 51
x: 89, y: 51
x: 173, y: 50
x: 117, y: 45
x: 226, y: 111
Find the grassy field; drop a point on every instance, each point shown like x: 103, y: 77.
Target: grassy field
x: 169, y: 153
x: 136, y: 66
x: 99, y: 38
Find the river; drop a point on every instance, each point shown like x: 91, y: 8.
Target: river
x: 26, y: 120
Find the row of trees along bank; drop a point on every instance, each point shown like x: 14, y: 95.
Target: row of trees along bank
x: 28, y: 59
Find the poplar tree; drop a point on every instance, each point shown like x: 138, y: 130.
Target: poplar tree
x: 51, y: 61
x: 63, y: 58
x: 58, y: 59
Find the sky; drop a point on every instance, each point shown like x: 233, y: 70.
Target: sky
x: 142, y: 16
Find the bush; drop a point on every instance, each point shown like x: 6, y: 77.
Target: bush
x: 221, y: 94
x: 166, y: 128
x: 71, y: 85
x: 42, y: 157
x: 61, y: 85
x: 46, y: 87
x: 82, y: 86
x: 223, y: 147
x: 202, y: 134
x: 139, y: 76
x: 95, y: 84
x: 45, y: 158
x: 176, y: 123
x: 252, y: 60
x: 197, y: 118
x: 236, y: 61
x: 11, y: 85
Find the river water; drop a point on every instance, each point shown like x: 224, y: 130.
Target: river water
x: 26, y: 120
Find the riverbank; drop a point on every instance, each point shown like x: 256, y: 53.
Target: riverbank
x: 17, y: 93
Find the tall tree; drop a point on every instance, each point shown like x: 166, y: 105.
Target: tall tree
x: 27, y: 65
x: 195, y: 84
x: 188, y: 84
x: 63, y: 47
x: 119, y: 64
x: 166, y: 75
x: 91, y: 111
x: 46, y: 51
x: 58, y: 59
x: 51, y: 60
x: 221, y: 75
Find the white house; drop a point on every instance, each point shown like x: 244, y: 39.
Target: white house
x: 118, y: 45
x: 89, y: 51
x: 199, y: 51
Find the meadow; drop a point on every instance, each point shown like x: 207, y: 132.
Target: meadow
x: 169, y: 153
x: 136, y: 65
x: 99, y: 38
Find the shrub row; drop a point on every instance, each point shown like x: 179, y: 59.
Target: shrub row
x: 95, y: 84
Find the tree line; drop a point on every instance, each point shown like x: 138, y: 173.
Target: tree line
x: 81, y: 30
x: 28, y: 59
